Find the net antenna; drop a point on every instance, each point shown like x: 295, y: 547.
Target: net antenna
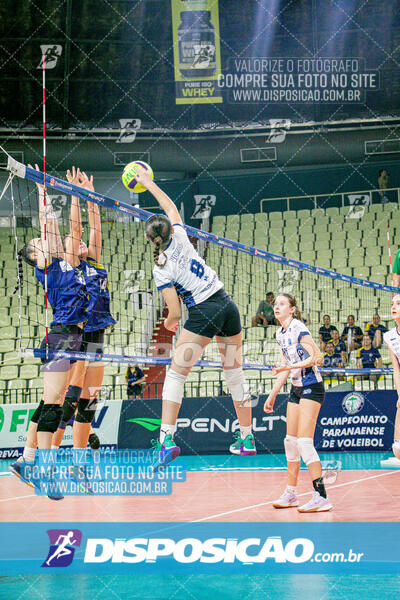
x: 46, y: 246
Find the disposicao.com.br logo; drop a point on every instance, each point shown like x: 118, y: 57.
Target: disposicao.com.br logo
x: 212, y: 550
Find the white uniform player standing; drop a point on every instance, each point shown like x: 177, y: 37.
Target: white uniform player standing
x: 300, y: 357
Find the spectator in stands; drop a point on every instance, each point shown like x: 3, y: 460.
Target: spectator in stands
x: 383, y: 181
x: 265, y: 312
x: 368, y: 357
x: 134, y: 379
x: 352, y: 335
x: 332, y: 360
x: 375, y: 331
x: 325, y: 332
x: 339, y: 346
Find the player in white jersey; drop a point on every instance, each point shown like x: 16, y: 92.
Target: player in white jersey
x: 300, y: 357
x: 392, y: 339
x: 181, y: 274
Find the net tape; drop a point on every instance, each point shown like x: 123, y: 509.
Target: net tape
x: 25, y: 172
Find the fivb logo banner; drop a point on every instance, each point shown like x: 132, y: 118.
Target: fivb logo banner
x: 358, y: 203
x: 129, y: 128
x: 287, y: 280
x: 204, y: 204
x: 50, y: 55
x: 279, y: 129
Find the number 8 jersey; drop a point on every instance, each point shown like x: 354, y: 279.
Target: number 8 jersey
x: 294, y: 352
x: 193, y: 280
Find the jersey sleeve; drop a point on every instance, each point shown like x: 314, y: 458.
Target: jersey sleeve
x: 301, y: 331
x: 162, y: 277
x: 180, y: 233
x: 377, y: 353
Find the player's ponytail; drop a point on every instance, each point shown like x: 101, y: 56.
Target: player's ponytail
x: 24, y: 254
x: 293, y: 304
x: 159, y: 231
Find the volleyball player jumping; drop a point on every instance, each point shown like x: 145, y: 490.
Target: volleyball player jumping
x: 87, y: 377
x: 392, y: 339
x: 180, y: 272
x: 300, y: 356
x: 67, y: 295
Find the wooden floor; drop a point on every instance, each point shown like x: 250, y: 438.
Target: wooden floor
x: 362, y: 495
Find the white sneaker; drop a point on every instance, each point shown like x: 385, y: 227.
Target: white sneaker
x: 287, y: 500
x: 316, y: 504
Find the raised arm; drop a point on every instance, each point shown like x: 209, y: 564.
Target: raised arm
x: 54, y: 245
x: 162, y: 198
x: 94, y: 219
x: 73, y: 240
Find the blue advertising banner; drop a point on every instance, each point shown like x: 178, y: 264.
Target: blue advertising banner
x: 200, y: 548
x: 347, y: 421
x: 204, y: 426
x: 356, y: 421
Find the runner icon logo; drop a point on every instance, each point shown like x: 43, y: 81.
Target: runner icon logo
x: 62, y: 547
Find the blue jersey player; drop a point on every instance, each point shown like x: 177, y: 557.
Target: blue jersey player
x: 87, y: 377
x: 67, y: 296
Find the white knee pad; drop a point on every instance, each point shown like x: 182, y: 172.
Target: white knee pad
x: 396, y: 448
x: 173, y: 386
x: 307, y: 450
x: 291, y: 448
x: 237, y: 385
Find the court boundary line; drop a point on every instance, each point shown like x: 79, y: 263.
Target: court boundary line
x: 236, y: 510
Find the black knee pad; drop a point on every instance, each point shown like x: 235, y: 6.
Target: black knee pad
x: 36, y: 415
x: 68, y: 410
x: 50, y: 418
x: 86, y: 410
x: 94, y: 441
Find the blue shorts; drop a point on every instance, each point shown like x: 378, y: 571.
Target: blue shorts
x: 218, y: 315
x: 63, y: 338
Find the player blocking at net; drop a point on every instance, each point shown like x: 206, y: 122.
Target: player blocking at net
x: 392, y: 339
x: 180, y: 273
x: 56, y: 269
x: 87, y: 377
x: 300, y: 357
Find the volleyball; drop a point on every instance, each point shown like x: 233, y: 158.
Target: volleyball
x: 129, y: 176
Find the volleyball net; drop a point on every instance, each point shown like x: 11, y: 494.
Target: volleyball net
x: 237, y: 247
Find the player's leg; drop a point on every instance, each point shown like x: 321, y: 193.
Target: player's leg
x: 55, y: 382
x: 30, y: 445
x: 396, y: 443
x: 309, y: 411
x: 87, y: 404
x: 189, y: 348
x: 71, y: 400
x: 230, y: 349
x: 293, y: 459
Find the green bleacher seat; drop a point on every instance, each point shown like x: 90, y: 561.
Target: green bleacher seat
x: 332, y: 211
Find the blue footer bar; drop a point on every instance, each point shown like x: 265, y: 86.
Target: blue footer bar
x: 201, y: 548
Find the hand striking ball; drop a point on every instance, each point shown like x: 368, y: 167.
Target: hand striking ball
x: 129, y: 176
